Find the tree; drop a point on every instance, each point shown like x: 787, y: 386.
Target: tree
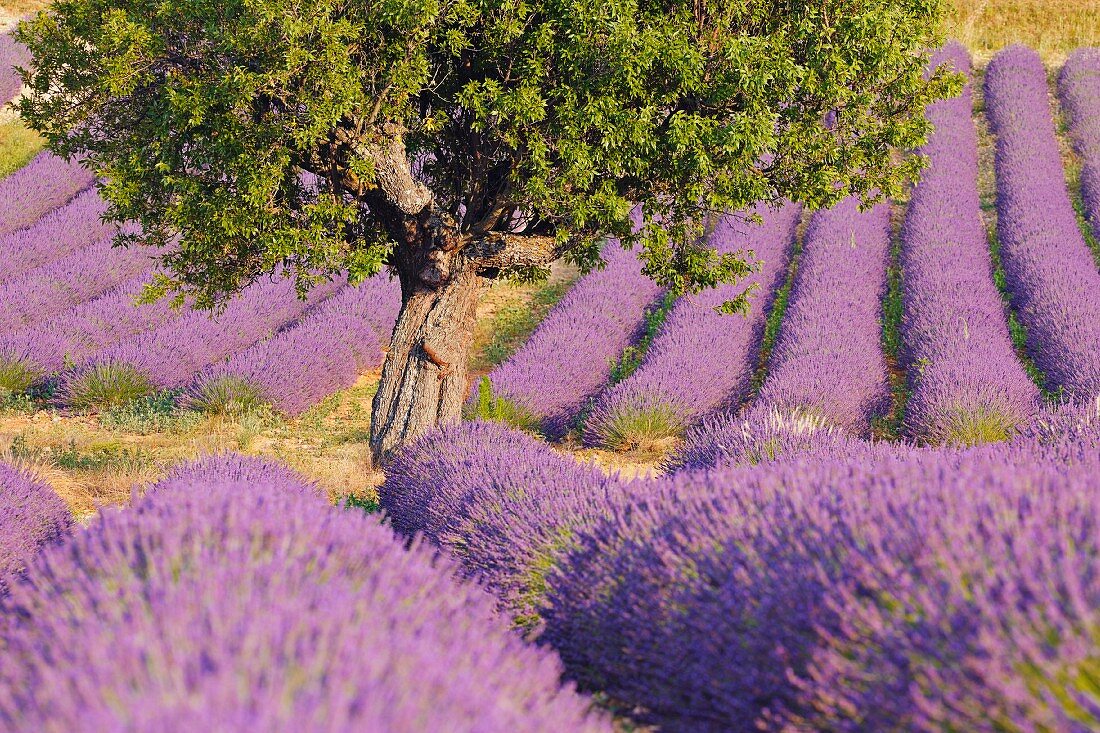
x: 457, y: 141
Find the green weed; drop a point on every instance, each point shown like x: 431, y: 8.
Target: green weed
x: 488, y: 406
x: 633, y: 356
x: 153, y: 414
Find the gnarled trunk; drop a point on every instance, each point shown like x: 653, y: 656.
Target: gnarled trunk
x: 425, y: 378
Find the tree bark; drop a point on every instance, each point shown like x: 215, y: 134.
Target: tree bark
x: 442, y: 271
x: 425, y: 378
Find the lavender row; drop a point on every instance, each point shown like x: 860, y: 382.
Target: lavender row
x: 38, y: 294
x: 326, y: 351
x: 12, y: 54
x: 170, y: 356
x: 29, y: 355
x: 31, y: 516
x: 1079, y: 87
x: 232, y: 597
x: 701, y: 360
x: 828, y: 359
x: 1053, y: 281
x: 967, y: 384
x: 41, y: 186
x: 62, y: 232
x: 569, y: 357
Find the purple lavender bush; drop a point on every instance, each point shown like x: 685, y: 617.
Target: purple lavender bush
x: 1052, y: 278
x: 570, y: 355
x: 763, y: 436
x: 967, y: 385
x: 41, y: 186
x: 324, y: 352
x: 36, y: 295
x: 58, y: 234
x: 31, y: 517
x: 170, y: 356
x: 12, y: 54
x: 973, y: 605
x: 935, y: 591
x: 242, y: 603
x: 1062, y: 425
x: 1079, y: 88
x: 701, y: 360
x: 505, y: 504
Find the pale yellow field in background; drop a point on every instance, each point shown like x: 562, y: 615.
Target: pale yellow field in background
x: 1052, y: 27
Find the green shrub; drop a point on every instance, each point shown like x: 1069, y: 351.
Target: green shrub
x: 17, y: 376
x: 108, y: 385
x: 154, y: 414
x: 648, y: 429
x: 228, y: 395
x: 965, y: 428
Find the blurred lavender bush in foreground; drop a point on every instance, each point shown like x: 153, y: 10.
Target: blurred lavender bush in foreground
x: 31, y: 516
x: 233, y: 598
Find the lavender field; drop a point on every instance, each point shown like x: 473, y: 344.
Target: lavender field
x: 870, y: 504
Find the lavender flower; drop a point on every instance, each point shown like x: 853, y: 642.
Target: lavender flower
x: 37, y: 188
x: 504, y: 503
x: 37, y: 352
x: 763, y: 436
x: 61, y: 233
x: 828, y: 358
x: 12, y: 54
x: 244, y: 602
x: 968, y: 604
x: 32, y: 516
x: 1051, y: 276
x: 827, y: 370
x: 569, y: 357
x: 701, y: 360
x: 326, y: 351
x: 1079, y: 86
x: 967, y: 384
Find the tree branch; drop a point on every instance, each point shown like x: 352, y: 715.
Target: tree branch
x: 506, y: 251
x: 392, y: 173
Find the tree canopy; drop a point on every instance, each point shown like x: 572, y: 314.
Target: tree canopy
x: 252, y: 136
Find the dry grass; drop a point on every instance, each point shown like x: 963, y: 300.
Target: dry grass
x: 20, y: 8
x: 1052, y: 27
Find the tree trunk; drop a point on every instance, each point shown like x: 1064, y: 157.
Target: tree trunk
x: 425, y: 378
